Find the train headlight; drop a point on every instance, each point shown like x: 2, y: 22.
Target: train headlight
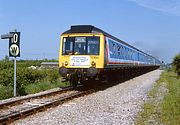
x: 66, y: 63
x: 93, y: 63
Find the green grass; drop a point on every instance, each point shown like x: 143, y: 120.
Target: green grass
x: 171, y: 105
x: 167, y: 111
x: 42, y: 86
x: 7, y: 92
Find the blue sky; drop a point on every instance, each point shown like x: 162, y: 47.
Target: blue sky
x: 150, y: 25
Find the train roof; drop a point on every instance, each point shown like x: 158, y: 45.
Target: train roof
x: 93, y: 29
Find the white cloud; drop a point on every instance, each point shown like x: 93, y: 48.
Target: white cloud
x: 165, y: 6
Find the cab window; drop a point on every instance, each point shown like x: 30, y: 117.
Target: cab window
x: 93, y: 45
x: 81, y: 45
x: 68, y: 46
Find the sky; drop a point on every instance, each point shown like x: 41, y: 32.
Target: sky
x: 152, y: 26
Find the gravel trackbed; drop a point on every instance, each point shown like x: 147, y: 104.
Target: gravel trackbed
x: 117, y: 105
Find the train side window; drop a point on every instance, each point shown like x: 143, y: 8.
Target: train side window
x: 135, y: 55
x: 123, y: 52
x: 129, y: 53
x: 119, y: 50
x: 132, y: 53
x: 114, y: 49
x: 130, y: 56
x: 126, y: 54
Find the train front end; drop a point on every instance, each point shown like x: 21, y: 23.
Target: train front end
x: 81, y: 55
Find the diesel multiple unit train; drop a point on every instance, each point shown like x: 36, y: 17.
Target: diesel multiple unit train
x: 87, y: 52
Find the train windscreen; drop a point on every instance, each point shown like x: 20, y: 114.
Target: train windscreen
x: 81, y: 45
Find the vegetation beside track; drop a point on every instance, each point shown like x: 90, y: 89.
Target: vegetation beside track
x: 176, y: 64
x: 162, y: 107
x: 29, y: 80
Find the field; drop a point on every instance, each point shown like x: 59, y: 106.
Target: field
x: 29, y: 80
x: 162, y: 106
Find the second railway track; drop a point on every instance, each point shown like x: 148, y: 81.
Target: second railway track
x: 20, y: 108
x: 7, y: 104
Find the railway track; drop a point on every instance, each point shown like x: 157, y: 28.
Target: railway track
x: 18, y: 109
x: 6, y: 104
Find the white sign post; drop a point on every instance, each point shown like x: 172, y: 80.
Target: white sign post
x: 14, y: 76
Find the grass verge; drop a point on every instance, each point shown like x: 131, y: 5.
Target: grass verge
x: 162, y: 107
x: 7, y: 92
x: 42, y: 86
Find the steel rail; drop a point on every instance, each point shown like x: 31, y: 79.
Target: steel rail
x: 6, y: 119
x: 17, y: 101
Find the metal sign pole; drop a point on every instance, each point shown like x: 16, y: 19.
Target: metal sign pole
x: 14, y: 76
x: 14, y: 49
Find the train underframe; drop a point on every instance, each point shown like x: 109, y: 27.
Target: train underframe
x: 83, y: 75
x: 79, y: 75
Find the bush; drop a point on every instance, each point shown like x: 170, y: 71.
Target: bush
x: 53, y: 76
x: 33, y: 78
x: 6, y: 64
x: 6, y: 77
x: 176, y: 64
x: 24, y: 76
x: 5, y: 92
x: 28, y: 76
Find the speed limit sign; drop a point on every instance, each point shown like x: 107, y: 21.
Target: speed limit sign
x: 14, y: 45
x: 14, y: 50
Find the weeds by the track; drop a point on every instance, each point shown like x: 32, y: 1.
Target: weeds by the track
x: 162, y: 107
x: 7, y: 92
x: 42, y: 86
